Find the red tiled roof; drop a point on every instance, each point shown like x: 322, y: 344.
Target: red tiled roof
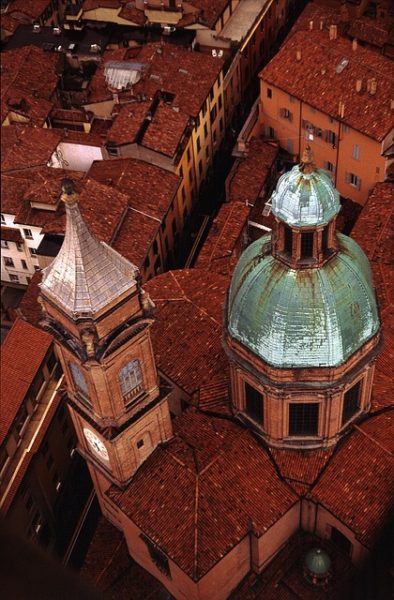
x: 219, y: 250
x: 165, y: 130
x: 19, y: 366
x: 214, y: 396
x: 24, y: 147
x: 188, y: 75
x: 93, y: 197
x: 249, y: 175
x: 206, y: 470
x: 128, y: 122
x: 28, y: 81
x: 370, y: 31
x: 45, y: 184
x: 130, y: 176
x: 92, y: 4
x: 210, y: 11
x: 32, y: 8
x: 369, y: 114
x: 300, y: 465
x: 9, y: 234
x: 29, y: 307
x: 357, y: 484
x: 374, y: 231
x: 135, y: 236
x: 9, y: 23
x: 131, y: 13
x: 186, y: 334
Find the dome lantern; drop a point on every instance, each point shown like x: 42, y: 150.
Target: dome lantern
x: 317, y: 567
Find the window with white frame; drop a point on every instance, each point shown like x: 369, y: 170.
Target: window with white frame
x: 356, y: 152
x: 28, y: 234
x: 286, y: 114
x: 19, y: 246
x: 4, y: 244
x: 2, y: 218
x: 130, y: 379
x: 33, y: 251
x: 353, y: 180
x: 13, y: 277
x: 329, y: 166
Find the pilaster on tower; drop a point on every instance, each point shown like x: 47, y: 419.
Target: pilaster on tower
x: 100, y: 316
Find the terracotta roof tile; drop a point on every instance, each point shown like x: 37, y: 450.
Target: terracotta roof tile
x: 136, y: 236
x: 357, y: 484
x: 224, y: 238
x: 186, y: 334
x: 131, y: 13
x: 19, y: 366
x: 24, y: 147
x: 9, y: 23
x: 130, y: 175
x: 29, y: 307
x: 214, y: 396
x: 301, y: 466
x: 31, y: 8
x: 9, y: 234
x: 249, y: 175
x: 370, y: 31
x: 128, y: 122
x: 369, y: 114
x: 28, y: 81
x: 166, y: 130
x: 215, y: 513
x: 210, y: 11
x: 13, y: 186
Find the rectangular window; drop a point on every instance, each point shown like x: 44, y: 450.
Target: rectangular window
x: 200, y: 167
x: 112, y: 150
x: 325, y: 239
x: 221, y: 125
x: 13, y: 277
x: 4, y: 244
x: 191, y: 177
x: 356, y: 152
x: 288, y: 247
x: 204, y: 109
x: 33, y: 251
x: 341, y: 541
x: 155, y: 247
x: 303, y: 418
x: 19, y: 246
x: 329, y: 166
x: 213, y: 114
x: 220, y: 101
x: 307, y: 245
x: 254, y: 404
x: 181, y: 170
x: 205, y: 131
x: 24, y: 264
x: 351, y: 402
x: 269, y: 93
x: 353, y: 180
x: 198, y: 144
x: 188, y: 156
x: 330, y: 137
x: 211, y: 95
x: 2, y: 218
x: 8, y: 261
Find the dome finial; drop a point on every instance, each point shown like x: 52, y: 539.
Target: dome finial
x: 307, y: 165
x: 69, y: 195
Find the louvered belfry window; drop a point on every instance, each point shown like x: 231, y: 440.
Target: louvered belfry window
x: 130, y: 378
x: 303, y: 418
x: 79, y: 381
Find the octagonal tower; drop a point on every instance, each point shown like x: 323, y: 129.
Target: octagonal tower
x: 302, y: 328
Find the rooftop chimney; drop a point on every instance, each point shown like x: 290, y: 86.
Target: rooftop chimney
x: 333, y: 32
x: 354, y: 44
x: 310, y: 25
x: 373, y: 87
x: 359, y: 85
x: 341, y: 109
x: 321, y: 24
x: 298, y: 54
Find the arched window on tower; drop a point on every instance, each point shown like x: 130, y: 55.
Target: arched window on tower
x: 130, y: 379
x: 288, y: 245
x: 80, y: 382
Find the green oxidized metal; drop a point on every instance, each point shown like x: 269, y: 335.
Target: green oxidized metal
x: 306, y: 317
x: 317, y: 562
x: 305, y: 199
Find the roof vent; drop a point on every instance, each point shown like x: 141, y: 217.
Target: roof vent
x: 341, y: 65
x: 354, y: 44
x: 36, y: 28
x: 359, y: 85
x: 321, y: 24
x: 184, y: 71
x: 56, y: 30
x: 168, y: 29
x: 298, y: 55
x: 333, y: 32
x: 341, y: 109
x: 311, y: 25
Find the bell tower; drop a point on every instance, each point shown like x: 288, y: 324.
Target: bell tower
x: 100, y: 318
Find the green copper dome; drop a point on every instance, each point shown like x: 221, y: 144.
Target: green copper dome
x: 302, y: 318
x: 317, y: 562
x: 305, y: 197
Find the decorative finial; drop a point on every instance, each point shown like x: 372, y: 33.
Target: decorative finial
x: 307, y: 165
x: 69, y: 195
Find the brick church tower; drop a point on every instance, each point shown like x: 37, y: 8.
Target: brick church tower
x: 100, y: 318
x: 302, y: 327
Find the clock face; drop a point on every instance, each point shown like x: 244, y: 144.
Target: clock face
x: 96, y: 444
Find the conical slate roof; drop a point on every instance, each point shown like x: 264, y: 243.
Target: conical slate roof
x: 86, y: 274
